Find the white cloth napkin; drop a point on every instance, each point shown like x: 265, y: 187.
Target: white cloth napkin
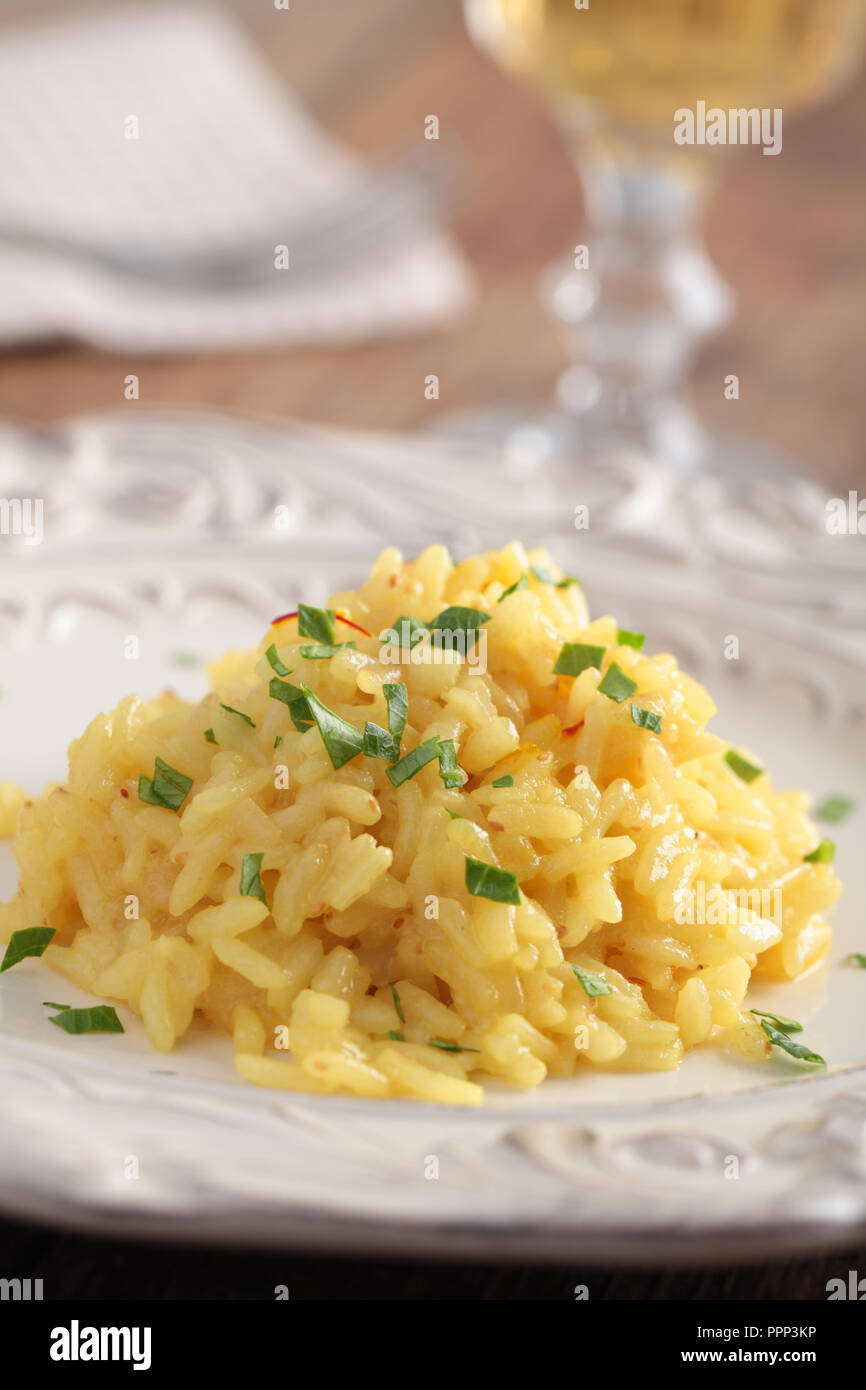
x: 222, y: 155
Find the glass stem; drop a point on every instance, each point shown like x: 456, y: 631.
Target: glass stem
x: 635, y: 300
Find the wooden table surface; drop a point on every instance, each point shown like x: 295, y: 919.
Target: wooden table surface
x: 75, y: 1267
x: 789, y: 234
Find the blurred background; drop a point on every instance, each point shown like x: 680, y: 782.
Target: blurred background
x: 787, y: 234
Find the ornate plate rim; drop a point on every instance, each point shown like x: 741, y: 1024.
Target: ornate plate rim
x: 228, y: 1208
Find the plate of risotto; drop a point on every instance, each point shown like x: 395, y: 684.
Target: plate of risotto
x: 440, y: 910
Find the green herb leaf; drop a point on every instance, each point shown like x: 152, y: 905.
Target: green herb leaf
x: 413, y: 762
x: 397, y: 1005
x: 625, y: 638
x: 396, y: 1037
x: 274, y: 661
x: 542, y: 574
x: 210, y: 736
x: 746, y: 771
x: 342, y: 740
x: 784, y: 1025
x: 48, y: 1004
x: 322, y: 652
x: 295, y: 700
x: 821, y: 854
x: 593, y: 984
x: 278, y: 740
x: 794, y: 1049
x: 251, y: 880
x: 317, y: 623
x: 451, y: 774
x: 168, y: 787
x: 521, y: 583
x: 568, y: 581
x: 646, y: 719
x: 29, y: 941
x: 506, y: 781
x: 406, y: 632
x: 857, y: 958
x: 457, y: 620
x: 455, y: 815
x: 397, y: 699
x: 616, y: 685
x: 100, y: 1019
x: 185, y: 659
x: 576, y: 657
x: 378, y: 742
x: 486, y: 881
x: 445, y: 1045
x: 385, y: 743
x: 230, y: 709
x: 835, y: 809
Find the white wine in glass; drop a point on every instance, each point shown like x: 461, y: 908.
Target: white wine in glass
x: 616, y: 73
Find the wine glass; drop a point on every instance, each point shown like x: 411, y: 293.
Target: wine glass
x: 622, y: 76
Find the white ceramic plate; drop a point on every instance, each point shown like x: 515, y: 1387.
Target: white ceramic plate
x: 719, y: 1160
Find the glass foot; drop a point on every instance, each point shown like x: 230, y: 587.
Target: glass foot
x: 533, y: 440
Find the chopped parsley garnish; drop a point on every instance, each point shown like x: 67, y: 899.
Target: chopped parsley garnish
x: 168, y: 787
x: 544, y: 576
x: 209, y: 736
x: 102, y: 1018
x: 784, y: 1025
x: 48, y: 1004
x: 406, y: 632
x: 396, y: 1037
x: 278, y: 740
x: 835, y: 809
x: 521, y: 583
x: 397, y: 1005
x: 29, y: 941
x: 455, y: 815
x: 451, y: 774
x: 746, y: 771
x: 317, y: 623
x: 385, y: 743
x: 251, y: 878
x: 506, y: 781
x: 342, y: 740
x: 322, y: 652
x: 593, y: 984
x: 378, y: 743
x: 794, y: 1049
x: 295, y: 700
x: 457, y: 619
x: 646, y: 719
x: 625, y: 638
x: 397, y: 699
x: 413, y: 762
x: 274, y: 661
x: 821, y: 854
x: 576, y: 657
x: 230, y: 709
x: 857, y: 958
x: 616, y: 685
x: 446, y: 1046
x: 486, y: 881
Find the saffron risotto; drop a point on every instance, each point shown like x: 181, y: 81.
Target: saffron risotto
x: 414, y: 868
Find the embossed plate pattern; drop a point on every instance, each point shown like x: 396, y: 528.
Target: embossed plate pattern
x: 164, y: 525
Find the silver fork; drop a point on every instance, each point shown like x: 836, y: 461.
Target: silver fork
x: 377, y: 217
